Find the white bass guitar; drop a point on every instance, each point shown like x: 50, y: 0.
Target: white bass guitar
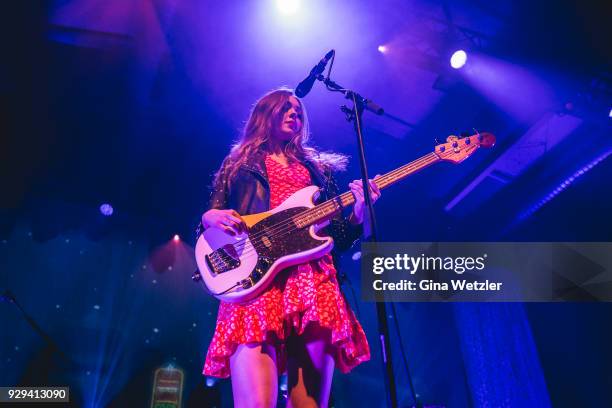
x: 238, y: 268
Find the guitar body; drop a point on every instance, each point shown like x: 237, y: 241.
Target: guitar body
x: 238, y: 268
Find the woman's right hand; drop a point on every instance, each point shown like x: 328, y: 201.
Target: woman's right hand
x: 228, y: 220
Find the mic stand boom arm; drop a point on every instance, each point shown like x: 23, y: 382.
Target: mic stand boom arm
x: 365, y: 103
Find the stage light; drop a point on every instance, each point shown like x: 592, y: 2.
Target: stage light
x: 106, y: 209
x: 458, y: 59
x: 176, y: 238
x: 563, y: 185
x: 282, y: 384
x: 211, y: 381
x: 382, y: 49
x: 288, y: 7
x: 610, y: 113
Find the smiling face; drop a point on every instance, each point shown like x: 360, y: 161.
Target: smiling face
x: 290, y: 120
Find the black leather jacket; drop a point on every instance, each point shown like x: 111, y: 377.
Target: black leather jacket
x: 249, y: 193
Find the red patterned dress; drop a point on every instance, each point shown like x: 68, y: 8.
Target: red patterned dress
x: 299, y: 295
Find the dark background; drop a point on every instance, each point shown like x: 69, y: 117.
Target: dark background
x: 136, y: 103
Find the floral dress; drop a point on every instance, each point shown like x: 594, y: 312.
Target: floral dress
x: 299, y: 295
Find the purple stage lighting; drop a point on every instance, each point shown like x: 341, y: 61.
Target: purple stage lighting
x: 458, y: 59
x: 382, y: 49
x: 288, y: 7
x: 106, y: 209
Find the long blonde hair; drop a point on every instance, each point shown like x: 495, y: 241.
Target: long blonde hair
x: 256, y: 135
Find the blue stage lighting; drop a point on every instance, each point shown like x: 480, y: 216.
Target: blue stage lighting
x: 282, y: 383
x: 106, y: 209
x: 383, y: 49
x: 458, y: 59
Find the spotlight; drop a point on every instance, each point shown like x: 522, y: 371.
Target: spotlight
x: 382, y: 49
x: 610, y: 113
x: 211, y: 381
x: 283, y: 383
x: 566, y: 183
x: 106, y: 209
x: 288, y: 7
x: 458, y: 59
x: 176, y: 238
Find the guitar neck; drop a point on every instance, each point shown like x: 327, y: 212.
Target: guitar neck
x: 329, y: 208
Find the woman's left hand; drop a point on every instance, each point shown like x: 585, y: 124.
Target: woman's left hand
x: 356, y: 187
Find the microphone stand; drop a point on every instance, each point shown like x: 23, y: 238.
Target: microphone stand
x: 354, y: 115
x: 8, y: 296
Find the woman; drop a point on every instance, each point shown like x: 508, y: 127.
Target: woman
x: 301, y: 323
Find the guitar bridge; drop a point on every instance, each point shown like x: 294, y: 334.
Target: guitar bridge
x: 223, y: 259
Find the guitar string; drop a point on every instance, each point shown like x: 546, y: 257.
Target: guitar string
x: 390, y: 177
x: 286, y: 226
x: 328, y: 205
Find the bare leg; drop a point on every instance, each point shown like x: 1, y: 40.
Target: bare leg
x: 310, y: 368
x: 254, y: 376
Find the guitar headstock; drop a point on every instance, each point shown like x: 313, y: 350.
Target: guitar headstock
x: 458, y: 149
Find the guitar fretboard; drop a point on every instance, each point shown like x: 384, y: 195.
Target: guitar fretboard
x: 329, y: 208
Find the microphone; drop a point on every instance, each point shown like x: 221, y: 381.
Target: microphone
x: 306, y: 85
